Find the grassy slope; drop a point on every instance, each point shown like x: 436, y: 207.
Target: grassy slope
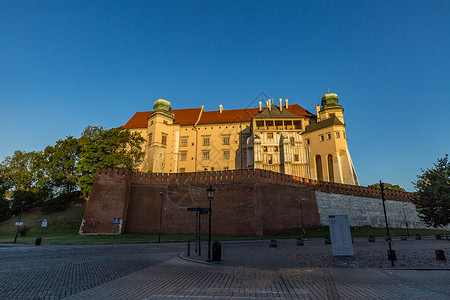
x: 63, y: 229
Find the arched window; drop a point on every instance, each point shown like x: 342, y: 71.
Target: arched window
x: 330, y: 168
x: 319, y: 168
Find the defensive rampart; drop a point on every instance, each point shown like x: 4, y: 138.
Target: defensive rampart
x: 246, y: 202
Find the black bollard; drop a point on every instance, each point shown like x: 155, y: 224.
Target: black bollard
x: 189, y: 248
x: 440, y: 254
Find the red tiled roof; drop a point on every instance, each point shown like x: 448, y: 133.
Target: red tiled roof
x: 189, y: 116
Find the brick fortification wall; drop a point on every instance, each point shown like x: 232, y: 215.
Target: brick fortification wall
x: 246, y: 202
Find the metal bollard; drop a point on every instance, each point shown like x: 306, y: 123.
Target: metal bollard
x: 440, y: 254
x: 189, y: 249
x: 391, y: 255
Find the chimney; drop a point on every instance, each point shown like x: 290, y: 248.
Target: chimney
x: 260, y: 106
x: 220, y: 108
x: 287, y: 106
x: 281, y: 104
x: 270, y: 104
x: 317, y: 112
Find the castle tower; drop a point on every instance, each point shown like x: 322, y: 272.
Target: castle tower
x: 159, y: 141
x: 327, y: 142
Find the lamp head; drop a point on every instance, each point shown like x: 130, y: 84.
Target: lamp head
x: 210, y: 191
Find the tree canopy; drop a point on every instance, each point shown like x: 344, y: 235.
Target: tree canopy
x: 388, y: 186
x: 433, y: 194
x: 65, y: 167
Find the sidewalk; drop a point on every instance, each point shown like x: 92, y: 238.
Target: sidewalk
x: 411, y: 254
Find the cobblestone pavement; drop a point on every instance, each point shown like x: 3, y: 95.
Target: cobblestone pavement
x: 249, y: 270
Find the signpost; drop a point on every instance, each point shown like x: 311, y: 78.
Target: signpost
x: 341, y: 238
x: 43, y: 225
x: 116, y: 221
x: 199, y: 211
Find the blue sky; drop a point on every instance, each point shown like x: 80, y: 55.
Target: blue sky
x: 65, y: 65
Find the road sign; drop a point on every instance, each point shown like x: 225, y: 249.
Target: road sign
x: 193, y: 209
x: 116, y: 221
x: 19, y: 223
x: 44, y: 223
x: 200, y: 209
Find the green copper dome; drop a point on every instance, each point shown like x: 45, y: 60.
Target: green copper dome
x: 162, y: 105
x: 330, y: 100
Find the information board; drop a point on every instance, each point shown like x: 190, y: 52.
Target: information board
x: 341, y: 238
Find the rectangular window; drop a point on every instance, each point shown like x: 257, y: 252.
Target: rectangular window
x: 205, y: 155
x: 150, y: 138
x: 226, y: 154
x: 164, y: 139
x: 338, y: 135
x: 307, y: 141
x: 225, y: 168
x: 297, y: 124
x: 269, y: 125
x: 183, y: 142
x: 292, y: 141
x: 295, y: 157
x: 275, y: 149
x: 259, y: 124
x: 165, y: 122
x: 183, y: 155
x: 270, y: 161
x: 206, y: 141
x: 182, y: 170
x: 270, y: 135
x: 264, y: 148
x: 279, y: 124
x: 328, y: 136
x: 225, y: 140
x: 321, y: 137
x: 288, y: 125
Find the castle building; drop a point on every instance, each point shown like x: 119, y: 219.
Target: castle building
x: 283, y: 138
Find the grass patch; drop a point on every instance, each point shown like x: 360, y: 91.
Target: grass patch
x: 73, y: 238
x: 63, y: 230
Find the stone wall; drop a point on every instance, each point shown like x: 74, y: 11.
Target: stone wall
x: 246, y: 202
x: 364, y: 211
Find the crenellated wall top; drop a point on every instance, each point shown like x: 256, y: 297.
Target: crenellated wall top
x: 242, y: 176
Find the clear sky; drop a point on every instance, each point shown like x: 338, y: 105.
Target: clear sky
x: 65, y: 65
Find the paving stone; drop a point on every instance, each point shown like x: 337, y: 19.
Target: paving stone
x: 249, y: 270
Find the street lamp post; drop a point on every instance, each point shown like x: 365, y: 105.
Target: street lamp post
x: 391, y: 252
x: 301, y: 216
x: 20, y: 217
x: 160, y: 217
x: 406, y: 223
x: 210, y: 193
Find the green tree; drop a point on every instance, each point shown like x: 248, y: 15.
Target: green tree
x: 5, y: 205
x: 115, y: 147
x: 388, y: 186
x: 433, y: 194
x: 61, y: 165
x: 23, y: 170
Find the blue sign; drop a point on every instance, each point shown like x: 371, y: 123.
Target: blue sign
x: 116, y: 221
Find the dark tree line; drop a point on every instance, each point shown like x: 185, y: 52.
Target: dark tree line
x: 48, y: 178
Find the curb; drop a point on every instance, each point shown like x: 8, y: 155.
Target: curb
x: 182, y: 256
